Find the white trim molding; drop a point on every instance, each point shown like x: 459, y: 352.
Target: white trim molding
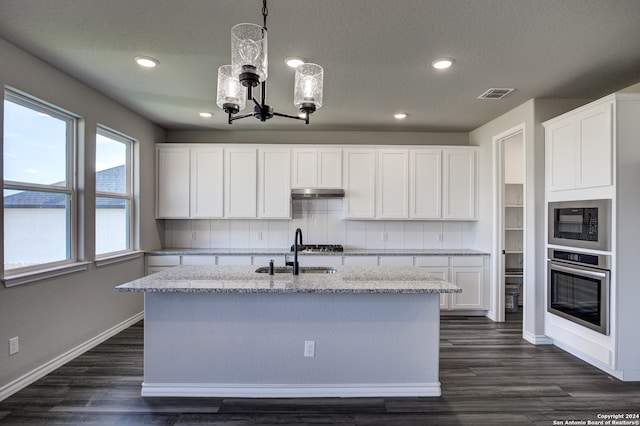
x: 48, y: 367
x: 342, y: 390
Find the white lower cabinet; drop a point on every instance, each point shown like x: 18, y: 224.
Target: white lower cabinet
x: 160, y: 263
x: 467, y: 272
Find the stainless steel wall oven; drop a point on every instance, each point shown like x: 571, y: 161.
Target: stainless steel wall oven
x: 578, y: 286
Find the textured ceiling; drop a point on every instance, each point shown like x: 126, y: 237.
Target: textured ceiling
x: 375, y: 53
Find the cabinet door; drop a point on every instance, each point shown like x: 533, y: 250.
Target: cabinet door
x: 274, y: 182
x: 316, y: 168
x: 393, y: 184
x: 240, y: 182
x: 561, y: 154
x: 359, y: 183
x: 459, y: 186
x: 595, y: 147
x: 304, y: 173
x: 206, y: 182
x: 425, y: 184
x: 329, y: 168
x: 471, y: 280
x: 172, y: 182
x: 443, y: 274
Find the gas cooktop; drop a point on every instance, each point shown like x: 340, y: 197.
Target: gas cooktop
x: 319, y: 248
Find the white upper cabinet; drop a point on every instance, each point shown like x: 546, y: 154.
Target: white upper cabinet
x: 359, y: 183
x: 189, y: 182
x: 392, y: 184
x: 459, y: 188
x: 209, y: 181
x: 206, y: 182
x: 579, y: 148
x: 425, y: 183
x: 274, y: 192
x: 595, y: 147
x: 240, y: 182
x: 172, y: 189
x: 316, y: 168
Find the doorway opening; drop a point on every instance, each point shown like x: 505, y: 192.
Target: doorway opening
x: 510, y: 238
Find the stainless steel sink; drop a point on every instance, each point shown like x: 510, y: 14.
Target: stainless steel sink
x: 302, y: 270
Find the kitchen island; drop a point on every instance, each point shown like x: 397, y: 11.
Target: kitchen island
x: 227, y: 331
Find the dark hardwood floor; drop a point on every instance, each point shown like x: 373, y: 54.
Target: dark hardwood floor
x: 489, y: 375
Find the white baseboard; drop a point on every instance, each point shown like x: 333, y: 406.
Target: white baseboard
x: 46, y: 368
x: 348, y: 390
x: 537, y: 339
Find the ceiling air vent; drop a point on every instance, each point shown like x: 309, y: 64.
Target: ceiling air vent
x: 494, y: 93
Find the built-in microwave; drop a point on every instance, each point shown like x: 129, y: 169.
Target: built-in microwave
x: 582, y: 224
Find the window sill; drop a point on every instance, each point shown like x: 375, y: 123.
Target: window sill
x: 117, y: 258
x: 43, y: 274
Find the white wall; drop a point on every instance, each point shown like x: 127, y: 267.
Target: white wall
x: 530, y: 114
x: 56, y: 315
x: 309, y: 136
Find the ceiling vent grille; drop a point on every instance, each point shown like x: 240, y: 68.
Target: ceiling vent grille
x: 495, y: 93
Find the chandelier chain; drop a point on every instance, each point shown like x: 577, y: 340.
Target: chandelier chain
x: 265, y: 12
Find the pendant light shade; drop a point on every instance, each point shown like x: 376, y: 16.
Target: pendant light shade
x: 307, y: 95
x: 249, y: 54
x: 232, y: 96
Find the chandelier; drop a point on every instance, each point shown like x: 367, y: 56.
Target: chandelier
x: 248, y: 70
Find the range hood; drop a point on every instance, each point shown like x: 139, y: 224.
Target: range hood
x: 307, y: 193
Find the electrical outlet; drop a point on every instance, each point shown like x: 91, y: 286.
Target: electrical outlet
x: 309, y: 348
x: 193, y: 235
x: 384, y: 236
x: 14, y: 345
x: 259, y: 236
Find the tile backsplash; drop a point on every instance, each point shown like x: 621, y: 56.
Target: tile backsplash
x: 321, y: 222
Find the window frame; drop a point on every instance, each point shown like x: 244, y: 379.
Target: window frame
x: 70, y: 188
x: 129, y: 143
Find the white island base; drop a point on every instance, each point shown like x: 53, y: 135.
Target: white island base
x: 253, y: 345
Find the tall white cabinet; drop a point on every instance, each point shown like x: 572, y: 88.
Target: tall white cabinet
x: 593, y: 152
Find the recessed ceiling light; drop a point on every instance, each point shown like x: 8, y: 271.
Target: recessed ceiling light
x: 442, y: 63
x: 147, y: 61
x: 205, y: 114
x: 294, y: 61
x: 400, y: 116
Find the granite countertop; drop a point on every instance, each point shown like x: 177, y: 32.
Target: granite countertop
x: 347, y: 252
x: 244, y: 279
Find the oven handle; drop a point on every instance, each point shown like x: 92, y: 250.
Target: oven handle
x: 587, y: 272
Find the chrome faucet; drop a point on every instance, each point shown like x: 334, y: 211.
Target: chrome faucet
x: 295, y: 263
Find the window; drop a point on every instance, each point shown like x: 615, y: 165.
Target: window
x: 113, y: 192
x: 39, y: 187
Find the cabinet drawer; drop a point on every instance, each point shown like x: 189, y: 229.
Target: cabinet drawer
x: 432, y: 261
x: 467, y: 261
x: 396, y: 261
x: 361, y: 260
x: 198, y: 260
x: 234, y: 260
x: 163, y: 260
